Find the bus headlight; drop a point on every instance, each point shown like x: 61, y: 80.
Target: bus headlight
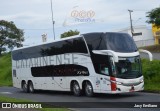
x: 118, y: 83
x: 141, y: 81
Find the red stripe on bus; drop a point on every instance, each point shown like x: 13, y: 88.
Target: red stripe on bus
x: 113, y: 84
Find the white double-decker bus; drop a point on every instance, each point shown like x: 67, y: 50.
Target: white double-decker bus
x: 90, y: 63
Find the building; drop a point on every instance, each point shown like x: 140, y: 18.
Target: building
x: 146, y: 37
x: 44, y: 37
x: 156, y: 33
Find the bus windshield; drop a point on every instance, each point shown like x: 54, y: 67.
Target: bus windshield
x: 128, y: 68
x: 120, y: 42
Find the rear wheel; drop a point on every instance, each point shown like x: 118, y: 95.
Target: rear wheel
x: 76, y: 89
x: 24, y: 87
x: 31, y: 87
x: 88, y: 89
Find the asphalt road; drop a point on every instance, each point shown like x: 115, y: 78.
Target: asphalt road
x: 155, y: 55
x: 53, y: 96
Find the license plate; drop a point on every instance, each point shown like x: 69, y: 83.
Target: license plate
x: 132, y: 89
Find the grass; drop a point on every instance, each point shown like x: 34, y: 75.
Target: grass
x: 8, y: 99
x: 153, y: 48
x: 151, y: 73
x: 5, y: 70
x: 151, y: 70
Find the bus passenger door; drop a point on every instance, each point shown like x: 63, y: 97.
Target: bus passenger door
x: 16, y: 82
x: 104, y: 78
x: 105, y: 84
x: 40, y: 83
x: 60, y: 83
x: 50, y: 83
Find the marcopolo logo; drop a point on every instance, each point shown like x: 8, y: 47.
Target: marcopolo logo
x: 83, y: 16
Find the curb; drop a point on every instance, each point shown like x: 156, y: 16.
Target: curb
x: 148, y: 91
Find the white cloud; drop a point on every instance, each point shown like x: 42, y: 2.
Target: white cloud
x: 36, y: 14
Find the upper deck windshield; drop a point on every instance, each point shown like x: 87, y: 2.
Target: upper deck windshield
x: 120, y: 42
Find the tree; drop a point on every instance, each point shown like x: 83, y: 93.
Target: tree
x: 10, y: 36
x: 154, y: 17
x: 69, y: 33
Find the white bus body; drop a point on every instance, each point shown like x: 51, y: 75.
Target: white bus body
x: 93, y: 63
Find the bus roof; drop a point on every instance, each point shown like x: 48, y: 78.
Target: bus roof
x: 71, y: 37
x: 67, y: 38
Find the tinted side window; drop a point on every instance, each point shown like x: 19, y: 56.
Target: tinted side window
x: 27, y: 53
x: 76, y: 45
x: 14, y: 73
x: 101, y: 64
x: 52, y: 49
x: 60, y: 70
x: 95, y: 41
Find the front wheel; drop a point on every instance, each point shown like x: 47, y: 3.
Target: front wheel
x: 76, y: 89
x: 88, y: 89
x: 31, y: 87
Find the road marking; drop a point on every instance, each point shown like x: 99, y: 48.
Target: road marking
x: 5, y: 93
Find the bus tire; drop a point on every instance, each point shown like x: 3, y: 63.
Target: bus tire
x: 76, y: 89
x: 88, y: 89
x: 31, y: 87
x: 24, y: 87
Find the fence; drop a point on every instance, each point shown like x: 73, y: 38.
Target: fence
x: 142, y: 43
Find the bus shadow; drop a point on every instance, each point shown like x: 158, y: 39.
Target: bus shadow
x: 96, y: 95
x: 116, y: 96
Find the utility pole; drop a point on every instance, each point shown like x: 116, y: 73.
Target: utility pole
x: 130, y: 11
x: 53, y: 22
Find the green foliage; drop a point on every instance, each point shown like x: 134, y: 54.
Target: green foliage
x: 5, y: 70
x: 151, y: 73
x: 154, y: 17
x: 69, y: 33
x: 8, y: 99
x: 10, y: 35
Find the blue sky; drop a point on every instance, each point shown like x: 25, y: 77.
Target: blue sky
x: 34, y: 16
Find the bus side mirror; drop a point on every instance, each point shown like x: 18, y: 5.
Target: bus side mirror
x: 149, y: 53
